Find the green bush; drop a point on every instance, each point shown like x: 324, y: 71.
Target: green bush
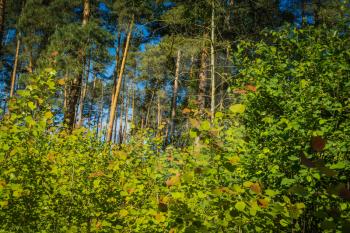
x: 275, y: 161
x: 297, y: 121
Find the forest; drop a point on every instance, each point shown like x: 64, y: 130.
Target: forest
x: 175, y: 116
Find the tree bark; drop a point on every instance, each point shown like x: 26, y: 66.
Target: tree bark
x: 149, y: 109
x: 82, y: 97
x: 212, y: 63
x: 120, y: 133
x: 100, y: 114
x: 126, y: 113
x: 120, y: 78
x: 133, y: 105
x: 175, y: 90
x: 14, y: 72
x: 75, y: 90
x: 92, y: 101
x: 86, y: 12
x: 159, y: 113
x: 2, y: 23
x: 202, y: 80
x: 117, y: 62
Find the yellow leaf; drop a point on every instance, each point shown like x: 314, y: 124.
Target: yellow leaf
x: 237, y: 108
x: 160, y: 217
x: 48, y: 115
x: 61, y: 81
x: 174, y: 180
x: 234, y: 160
x: 123, y: 213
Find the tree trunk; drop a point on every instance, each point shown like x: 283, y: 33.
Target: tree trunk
x: 65, y: 95
x: 149, y: 109
x: 133, y: 105
x: 120, y: 78
x: 2, y: 23
x: 92, y: 101
x: 126, y: 113
x: 82, y: 97
x: 202, y: 80
x: 159, y: 113
x: 212, y: 63
x: 175, y: 90
x: 86, y: 12
x: 75, y: 90
x: 117, y: 62
x: 115, y: 129
x: 14, y: 72
x: 122, y: 97
x: 100, y: 115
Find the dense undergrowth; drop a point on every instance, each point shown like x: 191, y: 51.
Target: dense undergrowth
x: 276, y: 161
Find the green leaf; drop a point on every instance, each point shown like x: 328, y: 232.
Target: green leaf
x: 178, y: 195
x: 270, y: 193
x: 193, y: 134
x: 287, y: 181
x: 219, y: 114
x: 339, y: 165
x: 205, y: 125
x: 293, y: 158
x: 237, y: 108
x: 31, y: 105
x: 284, y: 222
x: 240, y: 206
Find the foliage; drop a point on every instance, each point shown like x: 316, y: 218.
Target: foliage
x: 297, y: 121
x: 275, y: 161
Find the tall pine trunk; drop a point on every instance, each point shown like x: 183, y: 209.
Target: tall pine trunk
x: 126, y: 114
x: 14, y: 72
x: 2, y: 23
x: 100, y: 114
x: 202, y: 80
x: 75, y: 89
x: 114, y: 102
x: 92, y: 101
x: 120, y: 132
x: 82, y: 96
x: 175, y: 90
x: 159, y: 113
x: 212, y: 62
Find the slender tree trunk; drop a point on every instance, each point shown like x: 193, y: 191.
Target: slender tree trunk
x: 133, y: 105
x: 149, y: 109
x: 31, y: 63
x: 100, y: 114
x: 66, y: 91
x: 223, y: 82
x: 202, y: 80
x: 175, y: 90
x: 82, y: 96
x: 159, y: 112
x: 14, y: 72
x: 2, y: 23
x: 86, y: 12
x: 126, y: 113
x: 212, y: 61
x: 92, y: 101
x: 120, y: 133
x: 117, y: 62
x: 191, y: 67
x: 120, y: 78
x: 75, y: 90
x: 115, y: 128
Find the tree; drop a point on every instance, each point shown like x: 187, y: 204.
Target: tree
x: 2, y: 22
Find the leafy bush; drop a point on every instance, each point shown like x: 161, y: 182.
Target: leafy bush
x: 297, y: 121
x: 275, y: 161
